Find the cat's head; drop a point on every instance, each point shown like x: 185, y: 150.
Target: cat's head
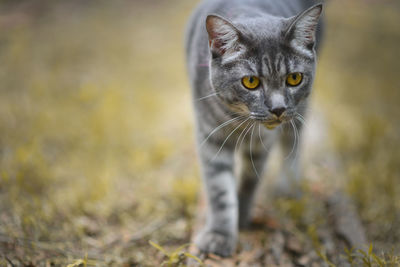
x: 264, y: 67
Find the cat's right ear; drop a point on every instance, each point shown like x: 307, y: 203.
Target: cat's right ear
x: 302, y: 29
x: 222, y: 35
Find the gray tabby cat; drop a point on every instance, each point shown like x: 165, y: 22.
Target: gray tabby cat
x: 251, y: 65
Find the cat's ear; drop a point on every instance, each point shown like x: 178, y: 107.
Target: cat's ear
x: 222, y: 35
x: 302, y: 29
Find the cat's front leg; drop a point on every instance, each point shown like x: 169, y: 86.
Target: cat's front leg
x: 219, y: 236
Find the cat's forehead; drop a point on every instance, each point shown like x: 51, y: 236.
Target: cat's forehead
x: 262, y: 28
x: 272, y: 60
x: 264, y: 39
x: 266, y: 51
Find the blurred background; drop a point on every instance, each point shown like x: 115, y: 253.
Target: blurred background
x: 97, y: 153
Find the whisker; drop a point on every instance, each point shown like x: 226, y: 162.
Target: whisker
x: 226, y: 139
x: 297, y: 144
x: 237, y: 141
x: 281, y: 128
x: 259, y: 135
x: 301, y: 118
x: 300, y: 115
x: 244, y: 136
x: 219, y: 127
x: 296, y: 138
x: 301, y: 121
x: 251, y: 153
x: 294, y: 142
x: 207, y: 96
x: 204, y: 65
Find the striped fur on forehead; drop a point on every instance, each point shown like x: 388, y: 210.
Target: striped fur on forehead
x: 282, y: 63
x: 244, y: 37
x: 274, y: 64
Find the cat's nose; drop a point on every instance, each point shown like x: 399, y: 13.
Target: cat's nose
x: 278, y: 111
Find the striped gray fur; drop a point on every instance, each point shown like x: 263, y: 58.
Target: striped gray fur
x: 227, y: 40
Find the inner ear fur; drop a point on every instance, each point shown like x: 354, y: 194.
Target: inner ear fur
x: 223, y: 36
x: 302, y: 28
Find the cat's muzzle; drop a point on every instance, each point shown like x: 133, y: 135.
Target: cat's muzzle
x: 272, y: 125
x: 270, y: 122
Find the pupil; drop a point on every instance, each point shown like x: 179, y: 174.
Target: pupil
x: 294, y: 76
x: 251, y: 79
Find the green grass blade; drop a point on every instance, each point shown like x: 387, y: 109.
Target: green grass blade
x: 158, y: 247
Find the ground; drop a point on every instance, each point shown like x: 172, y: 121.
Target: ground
x: 97, y: 154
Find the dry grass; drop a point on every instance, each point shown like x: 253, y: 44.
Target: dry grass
x: 96, y: 146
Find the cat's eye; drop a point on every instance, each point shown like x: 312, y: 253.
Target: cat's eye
x: 250, y: 82
x: 294, y: 79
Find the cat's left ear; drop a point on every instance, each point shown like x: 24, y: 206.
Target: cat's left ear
x: 302, y: 29
x: 223, y: 37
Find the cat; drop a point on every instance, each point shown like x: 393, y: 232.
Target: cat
x: 251, y: 65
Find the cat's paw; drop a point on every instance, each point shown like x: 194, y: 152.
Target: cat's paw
x: 221, y: 244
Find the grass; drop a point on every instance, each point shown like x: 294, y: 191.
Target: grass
x: 363, y: 120
x: 81, y: 126
x: 96, y: 145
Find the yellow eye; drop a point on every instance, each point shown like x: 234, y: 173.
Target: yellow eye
x: 250, y: 82
x: 294, y: 78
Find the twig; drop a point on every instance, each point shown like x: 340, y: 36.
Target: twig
x: 145, y: 231
x: 151, y: 228
x: 9, y: 261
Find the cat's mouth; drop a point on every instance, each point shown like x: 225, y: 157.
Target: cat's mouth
x: 272, y: 125
x: 268, y: 122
